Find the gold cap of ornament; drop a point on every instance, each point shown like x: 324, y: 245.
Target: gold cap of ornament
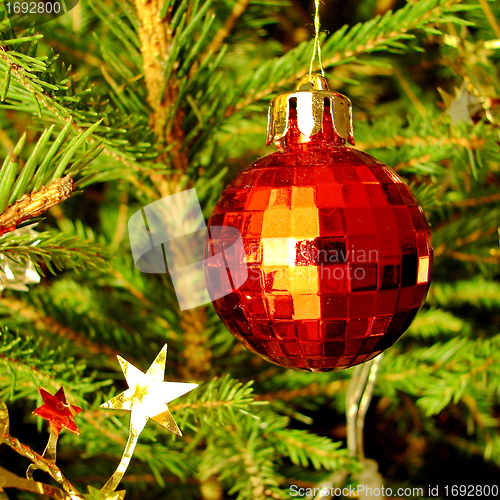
x: 310, y: 94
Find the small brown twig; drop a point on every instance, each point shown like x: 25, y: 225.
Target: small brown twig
x: 34, y: 204
x: 238, y: 9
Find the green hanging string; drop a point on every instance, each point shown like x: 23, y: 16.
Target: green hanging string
x: 317, y: 44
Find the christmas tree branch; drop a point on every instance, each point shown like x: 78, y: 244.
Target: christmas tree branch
x: 254, y: 473
x: 57, y: 251
x: 414, y: 162
x: 437, y: 322
x: 196, y: 342
x: 156, y: 36
x: 451, y: 234
x: 314, y: 389
x: 38, y: 92
x: 43, y: 323
x: 147, y: 306
x: 477, y: 292
x: 466, y: 257
x: 101, y: 423
x: 490, y: 16
x: 34, y: 204
x: 473, y: 202
x: 462, y: 443
x: 34, y: 85
x: 305, y: 448
x: 479, y: 417
x: 238, y: 9
x: 27, y: 377
x: 51, y: 368
x: 446, y: 372
x: 467, y: 142
x: 79, y: 55
x: 220, y: 395
x: 194, y: 406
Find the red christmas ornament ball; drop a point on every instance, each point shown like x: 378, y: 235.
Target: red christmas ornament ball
x: 337, y: 249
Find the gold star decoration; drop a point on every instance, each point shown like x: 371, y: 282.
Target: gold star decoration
x: 146, y: 397
x: 148, y: 393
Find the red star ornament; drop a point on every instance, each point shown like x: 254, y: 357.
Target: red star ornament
x: 58, y: 411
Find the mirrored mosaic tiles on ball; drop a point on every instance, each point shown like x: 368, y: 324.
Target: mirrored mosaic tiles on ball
x: 337, y: 249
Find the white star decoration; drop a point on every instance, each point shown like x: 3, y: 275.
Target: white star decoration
x: 146, y: 397
x: 148, y: 394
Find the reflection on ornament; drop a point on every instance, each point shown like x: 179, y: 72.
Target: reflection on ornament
x: 16, y: 275
x: 338, y: 250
